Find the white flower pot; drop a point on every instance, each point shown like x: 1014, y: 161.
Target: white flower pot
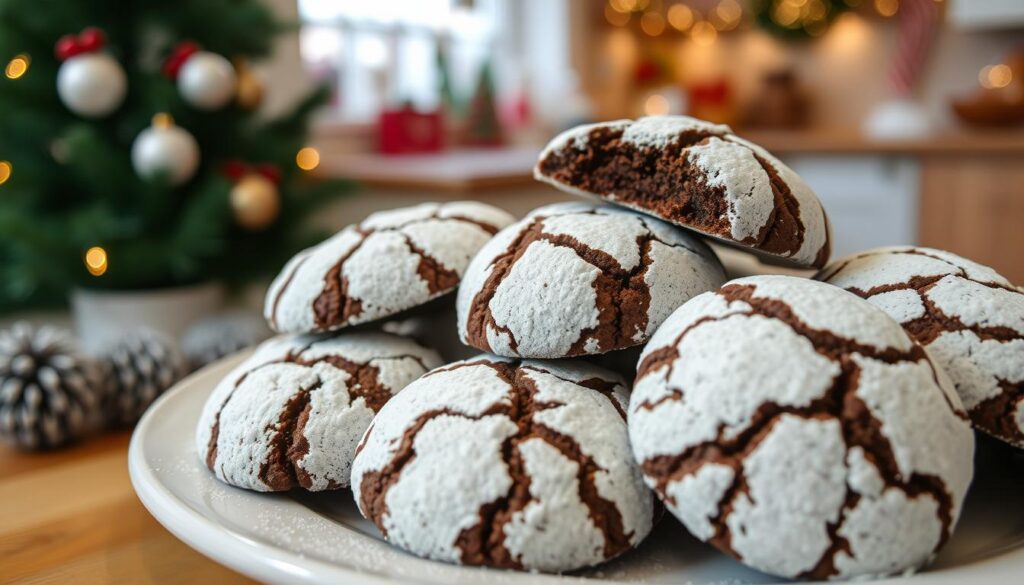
x: 103, y: 316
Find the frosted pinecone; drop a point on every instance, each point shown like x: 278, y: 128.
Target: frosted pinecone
x: 50, y: 394
x: 141, y: 367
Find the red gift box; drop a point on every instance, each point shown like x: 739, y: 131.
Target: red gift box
x: 407, y: 131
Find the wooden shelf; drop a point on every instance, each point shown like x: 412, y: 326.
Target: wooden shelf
x: 455, y: 171
x: 850, y: 141
x: 466, y: 171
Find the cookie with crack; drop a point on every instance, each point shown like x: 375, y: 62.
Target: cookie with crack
x: 969, y: 317
x: 698, y: 175
x: 393, y: 261
x: 292, y: 414
x: 799, y: 429
x: 580, y: 278
x: 511, y: 464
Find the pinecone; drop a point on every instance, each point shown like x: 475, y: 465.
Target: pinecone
x: 141, y: 367
x: 211, y: 339
x: 49, y: 394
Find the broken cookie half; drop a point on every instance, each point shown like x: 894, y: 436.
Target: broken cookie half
x: 391, y: 262
x: 697, y: 175
x: 292, y: 414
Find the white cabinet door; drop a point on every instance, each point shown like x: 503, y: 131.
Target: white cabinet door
x: 871, y: 200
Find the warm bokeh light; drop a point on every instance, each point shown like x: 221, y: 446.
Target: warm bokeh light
x: 619, y: 5
x: 5, y: 171
x: 815, y: 10
x: 17, y: 66
x: 786, y: 12
x: 629, y: 5
x: 162, y: 120
x: 307, y: 158
x: 96, y: 261
x: 656, y: 105
x: 615, y: 17
x: 652, y: 23
x: 680, y: 16
x: 887, y: 7
x: 995, y: 76
x: 728, y: 14
x: 704, y: 34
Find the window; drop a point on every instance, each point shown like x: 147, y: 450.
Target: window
x: 379, y: 53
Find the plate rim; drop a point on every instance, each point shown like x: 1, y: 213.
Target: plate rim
x: 266, y: 562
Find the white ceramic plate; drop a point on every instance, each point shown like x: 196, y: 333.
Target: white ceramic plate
x: 320, y: 538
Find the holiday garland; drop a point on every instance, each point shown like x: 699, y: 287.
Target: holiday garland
x: 793, y: 19
x: 117, y: 120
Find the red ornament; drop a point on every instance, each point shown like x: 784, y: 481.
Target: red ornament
x: 90, y: 40
x: 236, y: 169
x: 269, y: 172
x: 178, y: 56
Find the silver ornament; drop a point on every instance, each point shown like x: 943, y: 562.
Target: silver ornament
x: 92, y: 85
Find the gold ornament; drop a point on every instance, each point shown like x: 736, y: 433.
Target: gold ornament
x: 255, y: 202
x: 249, y: 87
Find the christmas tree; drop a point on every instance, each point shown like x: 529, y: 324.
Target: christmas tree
x: 132, y: 151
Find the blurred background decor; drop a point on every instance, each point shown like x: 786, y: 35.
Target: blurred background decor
x: 139, y: 169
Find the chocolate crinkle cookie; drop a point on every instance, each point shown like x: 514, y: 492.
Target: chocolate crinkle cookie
x: 580, y: 278
x: 393, y: 261
x: 511, y: 464
x: 799, y: 429
x: 969, y: 317
x: 291, y: 415
x: 694, y: 174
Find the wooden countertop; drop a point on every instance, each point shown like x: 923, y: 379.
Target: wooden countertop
x: 71, y: 516
x: 466, y: 171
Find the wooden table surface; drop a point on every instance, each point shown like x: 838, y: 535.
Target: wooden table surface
x: 71, y: 516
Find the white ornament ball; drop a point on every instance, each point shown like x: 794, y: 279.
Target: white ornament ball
x: 92, y: 85
x: 167, y: 150
x: 207, y: 81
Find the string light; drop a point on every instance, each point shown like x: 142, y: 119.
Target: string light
x: 615, y: 17
x: 704, y: 34
x: 307, y: 158
x: 652, y: 23
x: 5, y: 171
x: 162, y: 120
x: 887, y: 8
x: 17, y: 66
x: 680, y: 16
x: 96, y: 261
x: 992, y: 76
x: 728, y: 14
x: 621, y: 5
x: 786, y: 13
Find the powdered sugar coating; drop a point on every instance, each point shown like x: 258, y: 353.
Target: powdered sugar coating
x: 968, y: 316
x: 747, y: 187
x: 742, y: 172
x: 547, y: 286
x: 782, y: 420
x: 392, y: 261
x: 323, y: 391
x: 548, y: 447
